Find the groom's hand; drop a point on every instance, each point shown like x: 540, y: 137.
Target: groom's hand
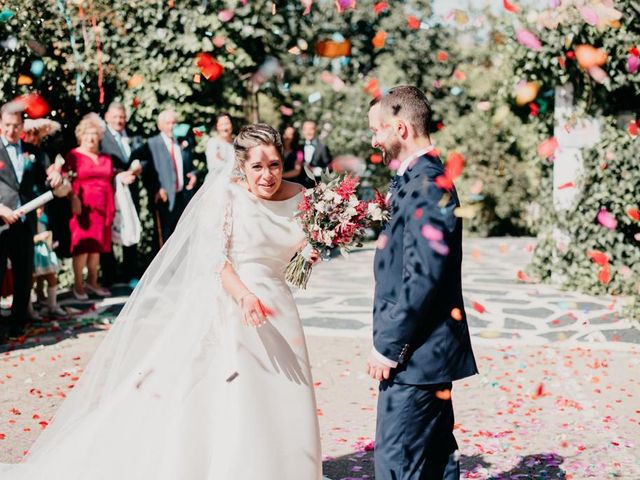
x: 377, y: 370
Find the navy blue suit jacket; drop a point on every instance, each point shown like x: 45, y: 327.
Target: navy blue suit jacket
x: 418, y: 286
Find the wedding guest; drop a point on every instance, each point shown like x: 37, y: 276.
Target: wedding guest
x: 293, y: 156
x: 35, y: 131
x: 168, y: 175
x: 24, y: 174
x: 118, y: 144
x: 44, y: 133
x: 92, y: 205
x: 317, y: 156
x: 46, y: 267
x: 220, y: 146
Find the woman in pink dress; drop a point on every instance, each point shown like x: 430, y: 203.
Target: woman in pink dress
x: 92, y: 204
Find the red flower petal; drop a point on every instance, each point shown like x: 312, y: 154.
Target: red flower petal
x: 380, y: 7
x: 634, y: 214
x: 454, y: 165
x: 478, y: 307
x: 509, y: 7
x: 444, y: 183
x: 413, y: 22
x: 599, y: 257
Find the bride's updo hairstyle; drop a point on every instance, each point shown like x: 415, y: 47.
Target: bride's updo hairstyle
x: 252, y: 136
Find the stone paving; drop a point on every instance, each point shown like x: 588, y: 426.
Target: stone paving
x: 499, y: 306
x: 556, y: 398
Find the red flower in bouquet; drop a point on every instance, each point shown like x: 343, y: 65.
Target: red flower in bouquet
x: 332, y: 216
x: 348, y: 187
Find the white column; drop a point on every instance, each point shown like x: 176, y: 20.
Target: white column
x: 573, y: 134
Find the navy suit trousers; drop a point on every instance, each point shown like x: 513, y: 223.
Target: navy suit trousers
x: 414, y: 433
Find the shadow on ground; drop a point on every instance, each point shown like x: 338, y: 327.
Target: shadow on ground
x: 85, y: 317
x: 538, y: 466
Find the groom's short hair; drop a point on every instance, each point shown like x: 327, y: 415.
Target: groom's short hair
x: 408, y: 102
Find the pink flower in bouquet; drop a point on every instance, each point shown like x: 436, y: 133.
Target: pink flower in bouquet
x: 304, y: 205
x: 332, y: 216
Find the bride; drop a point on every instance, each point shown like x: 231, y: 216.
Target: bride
x: 205, y: 374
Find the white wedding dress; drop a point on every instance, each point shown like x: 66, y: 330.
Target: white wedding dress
x: 180, y: 389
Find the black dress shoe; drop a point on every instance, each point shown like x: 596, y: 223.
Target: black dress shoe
x: 16, y: 332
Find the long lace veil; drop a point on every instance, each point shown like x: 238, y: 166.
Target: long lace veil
x: 169, y: 315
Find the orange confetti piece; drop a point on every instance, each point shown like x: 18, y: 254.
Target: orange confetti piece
x: 135, y: 81
x: 456, y: 314
x: 379, y: 39
x: 375, y: 158
x: 589, y: 56
x: 444, y: 394
x: 25, y: 80
x: 332, y: 49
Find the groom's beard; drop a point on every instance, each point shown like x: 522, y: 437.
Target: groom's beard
x: 391, y: 151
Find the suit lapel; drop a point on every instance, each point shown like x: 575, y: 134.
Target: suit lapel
x: 111, y: 144
x: 8, y: 173
x: 316, y: 153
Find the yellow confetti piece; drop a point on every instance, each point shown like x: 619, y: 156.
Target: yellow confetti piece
x: 467, y: 212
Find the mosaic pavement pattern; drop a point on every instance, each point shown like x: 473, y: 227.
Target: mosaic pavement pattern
x: 339, y: 300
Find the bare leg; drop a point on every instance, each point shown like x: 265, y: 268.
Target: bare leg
x: 79, y: 262
x: 40, y: 288
x: 52, y: 281
x: 92, y: 264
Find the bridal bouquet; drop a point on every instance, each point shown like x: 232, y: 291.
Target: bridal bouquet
x: 332, y: 216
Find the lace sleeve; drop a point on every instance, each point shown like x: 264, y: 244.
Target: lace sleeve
x: 227, y: 230
x: 225, y: 242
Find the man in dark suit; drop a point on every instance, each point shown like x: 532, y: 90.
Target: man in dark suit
x: 168, y: 175
x: 23, y: 177
x: 421, y: 339
x: 117, y: 143
x: 317, y: 156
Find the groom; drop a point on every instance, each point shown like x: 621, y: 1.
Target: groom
x: 420, y: 334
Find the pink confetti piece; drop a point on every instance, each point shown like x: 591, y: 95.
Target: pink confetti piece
x: 598, y: 74
x: 589, y: 15
x: 607, y: 220
x: 431, y: 233
x: 225, y: 15
x: 528, y: 39
x: 439, y: 247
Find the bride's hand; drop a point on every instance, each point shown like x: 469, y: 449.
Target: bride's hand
x: 253, y: 312
x: 314, y: 256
